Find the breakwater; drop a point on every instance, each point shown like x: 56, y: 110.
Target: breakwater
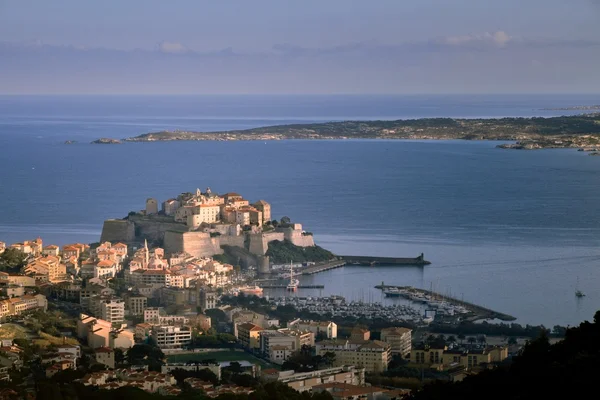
x: 366, y: 260
x: 322, y: 266
x: 476, y: 311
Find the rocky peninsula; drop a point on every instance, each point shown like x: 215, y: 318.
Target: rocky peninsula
x: 579, y: 131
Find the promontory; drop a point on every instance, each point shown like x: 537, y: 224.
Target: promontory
x: 579, y: 131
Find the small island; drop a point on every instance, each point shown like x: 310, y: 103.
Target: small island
x: 70, y: 141
x: 106, y: 141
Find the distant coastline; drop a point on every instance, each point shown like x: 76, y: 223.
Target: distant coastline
x: 578, y: 131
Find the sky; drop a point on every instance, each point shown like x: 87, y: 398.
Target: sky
x: 308, y: 46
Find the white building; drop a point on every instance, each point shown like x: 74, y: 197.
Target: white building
x: 172, y: 337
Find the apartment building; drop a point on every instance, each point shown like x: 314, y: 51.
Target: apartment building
x: 373, y: 355
x: 400, y: 340
x: 172, y: 337
x: 249, y: 335
x: 136, y: 304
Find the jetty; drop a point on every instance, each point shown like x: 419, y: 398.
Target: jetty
x: 322, y: 266
x: 427, y: 296
x: 373, y: 261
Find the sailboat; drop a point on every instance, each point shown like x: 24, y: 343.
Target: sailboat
x: 293, y: 285
x: 578, y: 293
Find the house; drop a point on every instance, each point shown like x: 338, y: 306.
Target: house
x: 106, y: 356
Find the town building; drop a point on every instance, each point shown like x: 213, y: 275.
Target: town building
x: 106, y: 356
x: 468, y: 358
x: 304, y: 381
x: 172, y: 337
x: 326, y: 328
x: 278, y: 345
x: 135, y: 304
x: 400, y: 340
x: 108, y: 308
x: 374, y: 355
x: 358, y: 334
x: 249, y: 335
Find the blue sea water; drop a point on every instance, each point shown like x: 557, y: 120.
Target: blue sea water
x: 506, y: 229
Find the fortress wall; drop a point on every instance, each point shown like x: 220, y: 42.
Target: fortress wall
x: 303, y: 241
x: 259, y: 243
x: 117, y: 230
x: 155, y: 231
x: 198, y: 244
x: 231, y: 240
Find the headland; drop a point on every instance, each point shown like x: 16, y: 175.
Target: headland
x: 577, y: 131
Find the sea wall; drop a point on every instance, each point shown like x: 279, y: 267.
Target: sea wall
x: 117, y: 230
x: 197, y: 244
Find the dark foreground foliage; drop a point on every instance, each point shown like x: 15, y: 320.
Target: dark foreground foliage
x: 565, y: 370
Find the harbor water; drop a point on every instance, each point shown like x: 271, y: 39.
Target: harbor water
x: 509, y: 230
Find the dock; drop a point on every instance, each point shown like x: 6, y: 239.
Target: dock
x: 374, y: 261
x: 323, y: 266
x: 478, y: 311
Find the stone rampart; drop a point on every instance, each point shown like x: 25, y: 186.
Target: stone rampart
x: 225, y: 240
x: 117, y: 230
x: 197, y: 244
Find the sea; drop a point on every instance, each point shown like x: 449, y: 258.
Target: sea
x: 515, y: 231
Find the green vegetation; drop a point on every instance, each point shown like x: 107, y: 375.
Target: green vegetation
x: 284, y: 252
x: 565, y: 370
x: 12, y: 260
x: 146, y: 354
x: 13, y: 331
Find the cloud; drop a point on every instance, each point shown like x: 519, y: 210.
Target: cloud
x: 497, y: 39
x: 172, y: 48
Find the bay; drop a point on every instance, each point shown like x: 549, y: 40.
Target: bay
x: 506, y: 229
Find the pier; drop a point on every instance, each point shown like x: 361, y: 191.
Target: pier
x: 373, y: 261
x: 322, y: 266
x: 479, y: 312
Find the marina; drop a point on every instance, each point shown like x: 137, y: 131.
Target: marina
x: 443, y: 304
x: 337, y: 306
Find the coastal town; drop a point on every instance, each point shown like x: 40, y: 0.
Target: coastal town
x: 190, y: 317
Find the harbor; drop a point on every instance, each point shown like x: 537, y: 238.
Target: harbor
x: 443, y: 304
x: 338, y: 307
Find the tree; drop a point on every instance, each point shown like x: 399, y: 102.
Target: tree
x: 451, y: 339
x: 481, y: 339
x: 512, y: 340
x: 285, y: 220
x: 147, y: 355
x: 472, y: 340
x: 461, y: 337
x: 12, y: 259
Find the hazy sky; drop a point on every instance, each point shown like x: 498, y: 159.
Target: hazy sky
x: 259, y: 46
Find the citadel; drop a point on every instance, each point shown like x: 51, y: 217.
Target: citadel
x: 204, y: 224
